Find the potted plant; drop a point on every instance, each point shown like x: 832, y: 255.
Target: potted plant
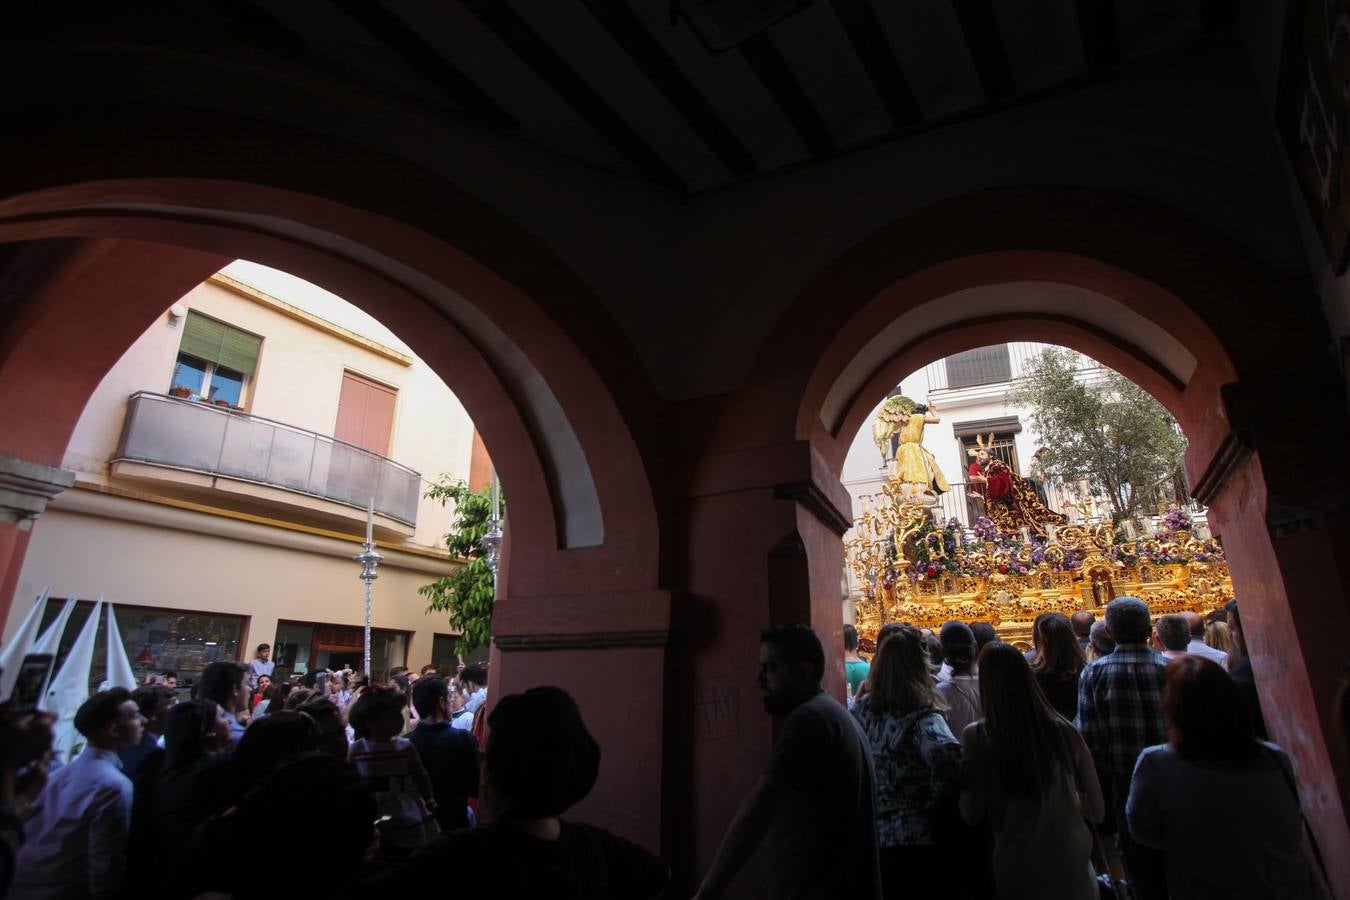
x: 179, y: 390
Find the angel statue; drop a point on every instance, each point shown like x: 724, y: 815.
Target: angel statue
x: 915, y: 468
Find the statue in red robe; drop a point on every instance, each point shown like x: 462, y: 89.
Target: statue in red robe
x: 1013, y: 503
x: 1010, y: 500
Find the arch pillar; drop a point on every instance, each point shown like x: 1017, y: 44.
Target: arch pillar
x: 762, y: 545
x: 25, y: 489
x: 1279, y: 510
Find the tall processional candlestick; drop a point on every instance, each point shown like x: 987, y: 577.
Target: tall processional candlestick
x: 369, y: 560
x: 492, y: 541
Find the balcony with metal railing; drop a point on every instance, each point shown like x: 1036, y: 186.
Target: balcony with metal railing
x: 198, y: 437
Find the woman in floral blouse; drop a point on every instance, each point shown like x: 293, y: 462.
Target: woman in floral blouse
x: 917, y: 760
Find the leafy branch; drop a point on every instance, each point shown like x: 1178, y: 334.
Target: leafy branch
x: 467, y: 592
x: 1108, y: 431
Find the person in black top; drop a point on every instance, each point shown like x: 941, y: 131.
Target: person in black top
x: 1058, y: 662
x: 539, y: 761
x: 153, y: 701
x: 1241, y: 672
x: 222, y: 856
x: 448, y: 754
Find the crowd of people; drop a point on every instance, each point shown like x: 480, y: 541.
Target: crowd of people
x: 1121, y: 755
x: 1110, y: 752
x: 384, y: 783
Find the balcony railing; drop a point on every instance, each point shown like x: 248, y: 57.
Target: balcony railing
x: 199, y: 437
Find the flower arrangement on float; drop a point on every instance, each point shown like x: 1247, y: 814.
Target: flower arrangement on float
x: 947, y: 548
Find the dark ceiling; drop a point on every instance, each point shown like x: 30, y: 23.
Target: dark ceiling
x: 633, y: 86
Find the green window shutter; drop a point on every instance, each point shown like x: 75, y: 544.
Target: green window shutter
x: 214, y: 341
x: 239, y: 351
x: 202, y: 337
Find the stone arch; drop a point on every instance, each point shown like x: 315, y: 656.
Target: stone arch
x: 1171, y: 304
x: 999, y: 297
x: 519, y: 377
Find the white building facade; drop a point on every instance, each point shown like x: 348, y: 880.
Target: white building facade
x: 223, y: 469
x: 969, y: 392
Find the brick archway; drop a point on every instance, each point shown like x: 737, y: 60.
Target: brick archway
x: 582, y: 555
x: 519, y: 377
x: 1175, y: 308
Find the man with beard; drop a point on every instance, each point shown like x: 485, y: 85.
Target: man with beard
x: 1011, y: 502
x: 814, y: 808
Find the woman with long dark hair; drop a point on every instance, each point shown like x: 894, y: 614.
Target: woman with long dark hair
x: 191, y: 786
x: 1059, y: 660
x: 1214, y: 790
x: 1029, y: 772
x: 917, y: 761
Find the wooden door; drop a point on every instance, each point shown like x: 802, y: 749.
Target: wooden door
x: 365, y: 413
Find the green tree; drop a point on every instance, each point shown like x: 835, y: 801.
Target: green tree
x: 467, y: 592
x: 1105, y: 430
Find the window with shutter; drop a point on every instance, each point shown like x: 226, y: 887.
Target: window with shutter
x: 365, y: 413
x: 215, y: 361
x: 983, y: 365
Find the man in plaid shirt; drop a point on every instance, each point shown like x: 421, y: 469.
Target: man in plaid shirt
x: 1120, y: 712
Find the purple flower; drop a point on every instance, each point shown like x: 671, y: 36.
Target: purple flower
x: 984, y: 529
x: 1177, y: 520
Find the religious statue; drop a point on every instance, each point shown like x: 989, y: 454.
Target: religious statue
x: 915, y: 468
x: 1010, y: 500
x: 1103, y: 592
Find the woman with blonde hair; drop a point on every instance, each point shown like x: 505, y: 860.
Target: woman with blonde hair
x: 1218, y: 636
x: 917, y: 761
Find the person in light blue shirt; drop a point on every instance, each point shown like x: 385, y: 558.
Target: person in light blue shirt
x: 225, y: 683
x: 260, y: 665
x: 77, y: 840
x: 474, y: 681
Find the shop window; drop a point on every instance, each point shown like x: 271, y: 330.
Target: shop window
x: 443, y: 655
x: 304, y: 646
x: 156, y: 640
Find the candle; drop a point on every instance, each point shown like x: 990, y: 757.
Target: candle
x: 370, y: 522
x: 1128, y: 526
x: 495, y: 502
x: 1026, y: 534
x: 1050, y: 533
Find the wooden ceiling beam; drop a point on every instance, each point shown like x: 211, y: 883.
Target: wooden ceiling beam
x: 428, y: 62
x: 789, y: 95
x: 554, y: 71
x: 860, y: 23
x: 647, y: 53
x: 987, y: 52
x: 1099, y: 33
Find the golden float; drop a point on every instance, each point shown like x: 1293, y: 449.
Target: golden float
x: 917, y: 570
